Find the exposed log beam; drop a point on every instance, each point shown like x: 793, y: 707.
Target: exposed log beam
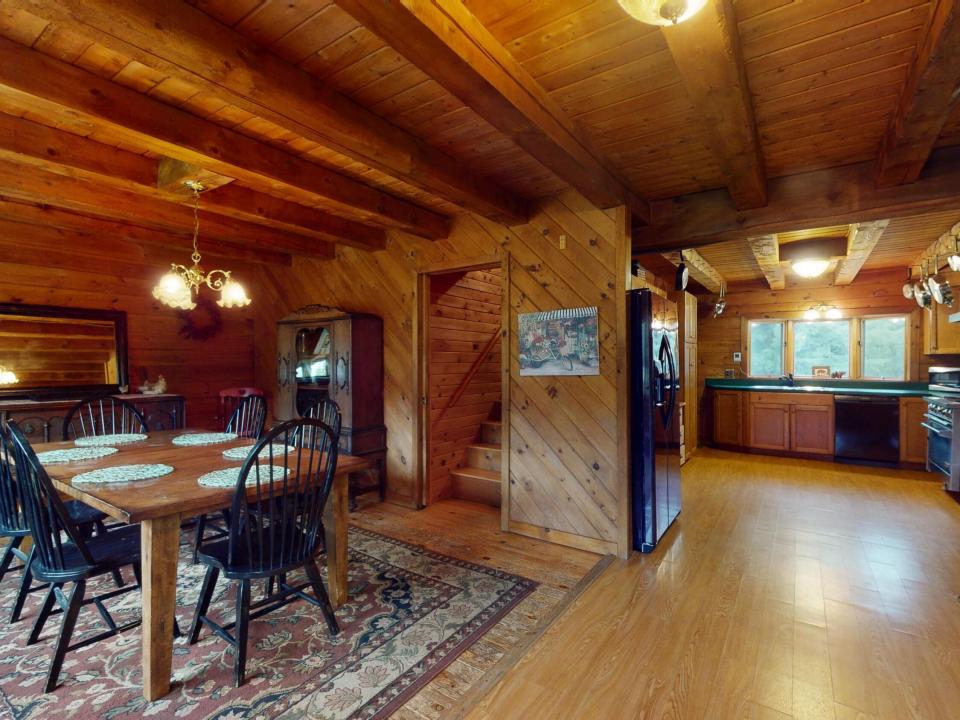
x: 445, y: 40
x: 940, y: 249
x: 28, y: 77
x: 706, y: 51
x: 172, y: 176
x: 928, y: 97
x: 16, y: 213
x: 766, y: 251
x: 24, y: 141
x: 189, y: 45
x: 861, y: 241
x: 700, y: 270
x: 821, y: 198
x: 29, y: 184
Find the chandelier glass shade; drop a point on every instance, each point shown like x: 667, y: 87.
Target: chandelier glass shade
x: 177, y: 288
x: 662, y: 12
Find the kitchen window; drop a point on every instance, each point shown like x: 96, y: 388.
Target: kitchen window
x: 883, y: 343
x: 821, y: 346
x: 766, y: 348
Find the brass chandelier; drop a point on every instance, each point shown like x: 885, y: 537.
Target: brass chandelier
x: 177, y: 288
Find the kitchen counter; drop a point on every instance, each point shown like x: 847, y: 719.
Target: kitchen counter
x: 836, y: 387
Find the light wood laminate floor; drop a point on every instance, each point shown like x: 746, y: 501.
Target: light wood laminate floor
x: 788, y: 589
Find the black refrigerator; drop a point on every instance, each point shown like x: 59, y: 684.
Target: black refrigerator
x: 654, y: 417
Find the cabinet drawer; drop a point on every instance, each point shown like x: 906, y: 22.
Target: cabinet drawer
x: 791, y: 398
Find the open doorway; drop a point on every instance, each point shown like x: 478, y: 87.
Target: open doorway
x: 462, y: 317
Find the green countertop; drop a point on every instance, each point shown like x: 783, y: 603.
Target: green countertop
x: 838, y: 387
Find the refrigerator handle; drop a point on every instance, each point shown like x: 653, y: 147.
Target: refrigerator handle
x: 664, y: 381
x: 668, y: 413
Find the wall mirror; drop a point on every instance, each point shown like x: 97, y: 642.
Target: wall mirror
x: 48, y: 351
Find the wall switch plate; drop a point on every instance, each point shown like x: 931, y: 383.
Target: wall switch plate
x: 737, y: 357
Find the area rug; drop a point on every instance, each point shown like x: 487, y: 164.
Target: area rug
x: 411, y: 612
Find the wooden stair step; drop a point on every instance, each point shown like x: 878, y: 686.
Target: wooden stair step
x: 490, y: 431
x: 477, y: 485
x: 484, y: 455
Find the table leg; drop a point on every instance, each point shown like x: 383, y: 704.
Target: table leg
x: 160, y: 540
x: 335, y: 519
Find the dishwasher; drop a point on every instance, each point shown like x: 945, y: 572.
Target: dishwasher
x: 867, y: 429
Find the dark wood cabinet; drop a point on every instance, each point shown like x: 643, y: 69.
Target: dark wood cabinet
x: 913, y: 437
x: 727, y: 417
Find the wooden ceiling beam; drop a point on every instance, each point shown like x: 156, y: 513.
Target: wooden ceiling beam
x: 766, y: 251
x: 186, y: 43
x: 700, y: 270
x: 706, y: 51
x: 30, y: 184
x: 939, y: 250
x: 445, y: 40
x: 820, y: 198
x: 28, y: 142
x: 25, y: 214
x: 49, y: 85
x: 928, y: 97
x: 861, y: 241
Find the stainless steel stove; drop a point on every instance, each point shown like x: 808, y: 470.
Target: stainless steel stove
x: 942, y: 423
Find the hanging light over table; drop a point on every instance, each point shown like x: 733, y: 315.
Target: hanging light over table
x: 177, y: 288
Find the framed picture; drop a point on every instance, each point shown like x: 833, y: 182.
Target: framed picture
x: 559, y: 342
x: 821, y: 371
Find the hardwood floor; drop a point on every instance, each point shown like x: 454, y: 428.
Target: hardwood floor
x: 788, y: 589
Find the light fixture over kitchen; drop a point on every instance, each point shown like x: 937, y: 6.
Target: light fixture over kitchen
x: 662, y: 12
x: 8, y: 377
x: 177, y: 288
x: 822, y: 311
x: 810, y: 267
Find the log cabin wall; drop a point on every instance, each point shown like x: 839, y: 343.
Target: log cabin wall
x: 46, y: 266
x: 873, y: 292
x: 465, y: 312
x: 566, y: 462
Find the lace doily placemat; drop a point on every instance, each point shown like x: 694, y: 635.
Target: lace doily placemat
x: 115, y: 439
x: 210, y: 438
x: 74, y: 454
x: 240, y: 453
x: 124, y: 473
x: 227, y: 478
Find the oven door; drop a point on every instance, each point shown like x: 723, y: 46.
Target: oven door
x: 940, y: 451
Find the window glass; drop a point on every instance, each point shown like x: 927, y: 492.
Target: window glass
x: 766, y: 349
x: 821, y: 344
x: 884, y: 344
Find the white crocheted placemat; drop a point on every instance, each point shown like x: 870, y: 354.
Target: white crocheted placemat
x: 74, y: 454
x: 124, y: 473
x: 227, y: 478
x: 204, y: 438
x: 240, y: 453
x: 115, y: 439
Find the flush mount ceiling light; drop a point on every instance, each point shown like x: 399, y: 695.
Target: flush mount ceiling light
x: 811, y: 267
x: 662, y: 12
x: 177, y: 288
x: 8, y: 377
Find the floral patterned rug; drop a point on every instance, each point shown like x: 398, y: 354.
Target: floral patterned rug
x: 411, y: 613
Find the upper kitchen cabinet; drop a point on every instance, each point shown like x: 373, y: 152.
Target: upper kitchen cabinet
x: 940, y: 336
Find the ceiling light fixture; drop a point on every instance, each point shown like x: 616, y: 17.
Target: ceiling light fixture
x: 820, y: 311
x: 8, y: 377
x: 662, y: 12
x: 177, y: 288
x: 810, y: 268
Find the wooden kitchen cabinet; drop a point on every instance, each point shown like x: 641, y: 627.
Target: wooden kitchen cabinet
x: 687, y: 317
x: 940, y: 336
x: 727, y: 417
x: 769, y: 426
x: 913, y: 438
x: 812, y: 428
x: 785, y: 421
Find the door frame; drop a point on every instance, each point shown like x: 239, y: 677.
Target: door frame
x: 421, y: 365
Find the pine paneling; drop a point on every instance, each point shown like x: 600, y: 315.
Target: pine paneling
x: 50, y: 267
x: 567, y: 477
x: 464, y: 313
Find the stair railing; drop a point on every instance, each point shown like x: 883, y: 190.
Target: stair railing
x: 474, y: 369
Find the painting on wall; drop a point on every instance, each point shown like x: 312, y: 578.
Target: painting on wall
x: 559, y: 342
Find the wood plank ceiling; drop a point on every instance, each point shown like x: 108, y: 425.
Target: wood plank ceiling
x: 321, y: 123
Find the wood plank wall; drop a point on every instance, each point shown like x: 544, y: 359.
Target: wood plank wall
x: 567, y: 475
x: 464, y: 313
x: 876, y: 292
x: 46, y: 266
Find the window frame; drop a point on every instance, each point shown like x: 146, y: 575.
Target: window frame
x: 791, y: 330
x: 855, y: 320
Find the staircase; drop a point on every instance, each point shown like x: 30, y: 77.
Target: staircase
x: 479, y: 480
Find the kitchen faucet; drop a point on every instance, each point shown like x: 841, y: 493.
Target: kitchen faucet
x: 789, y: 378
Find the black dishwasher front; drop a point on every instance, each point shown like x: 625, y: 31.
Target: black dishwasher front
x: 867, y: 428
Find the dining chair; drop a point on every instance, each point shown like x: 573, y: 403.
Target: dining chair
x: 229, y: 399
x: 276, y: 528
x: 13, y: 525
x: 249, y: 417
x: 61, y: 555
x: 102, y: 415
x: 327, y: 412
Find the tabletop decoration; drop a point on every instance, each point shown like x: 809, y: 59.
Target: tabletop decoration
x: 74, y: 454
x: 124, y: 473
x: 227, y: 478
x: 115, y: 439
x: 240, y: 453
x: 208, y: 438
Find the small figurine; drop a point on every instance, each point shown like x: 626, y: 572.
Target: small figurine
x: 157, y: 388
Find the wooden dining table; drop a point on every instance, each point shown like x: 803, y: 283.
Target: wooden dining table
x: 161, y: 504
